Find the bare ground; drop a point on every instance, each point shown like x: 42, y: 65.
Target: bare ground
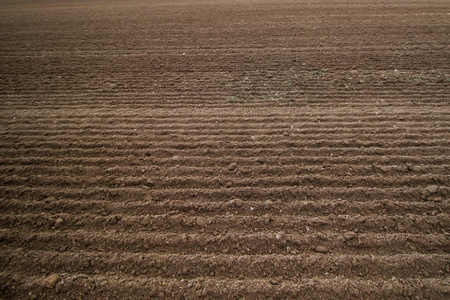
x: 224, y: 150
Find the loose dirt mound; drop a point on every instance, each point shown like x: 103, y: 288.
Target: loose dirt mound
x: 224, y: 149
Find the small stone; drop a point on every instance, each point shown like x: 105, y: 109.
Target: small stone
x: 229, y: 184
x: 269, y: 204
x: 280, y: 235
x: 50, y: 199
x: 17, y: 278
x: 401, y: 228
x: 410, y: 292
x: 432, y: 189
x: 232, y: 167
x: 321, y: 249
x: 202, y: 222
x: 429, y: 191
x: 50, y: 281
x: 273, y: 281
x: 384, y: 169
x: 238, y: 202
x: 59, y: 222
x: 113, y: 220
x: 349, y: 235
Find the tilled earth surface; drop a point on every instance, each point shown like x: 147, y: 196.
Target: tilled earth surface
x: 224, y: 149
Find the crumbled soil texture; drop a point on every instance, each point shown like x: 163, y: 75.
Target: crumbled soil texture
x: 224, y: 149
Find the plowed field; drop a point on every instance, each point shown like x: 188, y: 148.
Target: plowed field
x: 224, y: 149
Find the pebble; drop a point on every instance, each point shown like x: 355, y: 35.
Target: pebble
x: 202, y: 222
x: 274, y: 281
x: 50, y: 199
x: 269, y: 204
x: 429, y: 191
x: 50, y: 281
x: 113, y: 220
x: 266, y: 219
x: 321, y: 249
x: 349, y: 235
x: 401, y: 228
x: 432, y: 189
x: 238, y: 202
x: 59, y: 222
x: 232, y: 167
x: 280, y: 235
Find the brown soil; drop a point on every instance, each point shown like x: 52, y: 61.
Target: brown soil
x: 224, y: 149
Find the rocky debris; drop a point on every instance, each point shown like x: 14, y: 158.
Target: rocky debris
x: 17, y: 278
x: 429, y: 193
x: 232, y: 167
x: 202, y: 222
x: 50, y: 281
x: 59, y: 222
x: 276, y: 281
x: 113, y: 220
x: 321, y: 249
x: 266, y: 219
x: 400, y: 228
x: 280, y: 235
x: 349, y: 235
x: 50, y: 199
x: 269, y: 204
x: 381, y: 169
x: 238, y: 202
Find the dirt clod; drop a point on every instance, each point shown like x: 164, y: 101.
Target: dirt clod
x: 59, y: 222
x: 50, y: 281
x: 238, y: 202
x: 321, y: 249
x: 349, y: 235
x: 202, y: 222
x: 429, y: 192
x: 232, y: 166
